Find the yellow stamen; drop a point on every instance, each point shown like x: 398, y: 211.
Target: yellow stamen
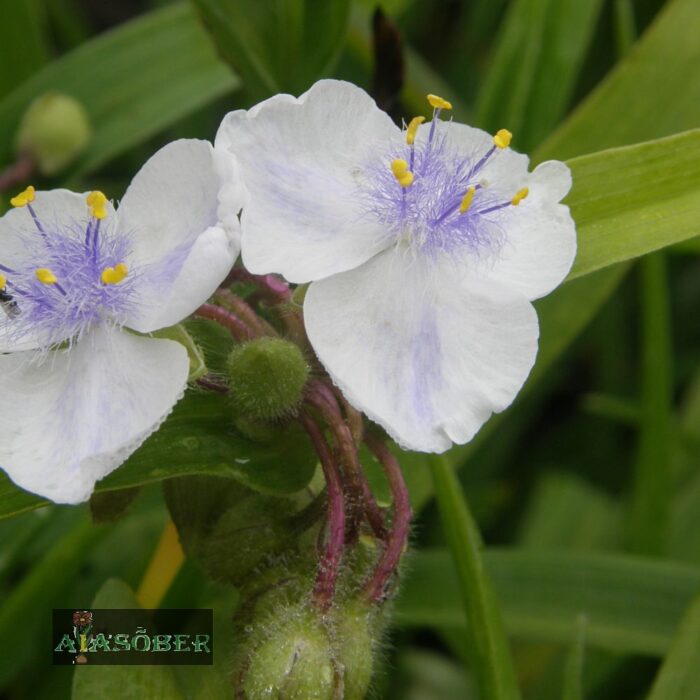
x: 401, y: 172
x: 98, y: 204
x: 412, y: 129
x: 3, y: 282
x: 502, y: 138
x: 114, y: 275
x: 23, y: 198
x: 438, y: 102
x: 45, y: 276
x: 519, y: 196
x: 467, y: 199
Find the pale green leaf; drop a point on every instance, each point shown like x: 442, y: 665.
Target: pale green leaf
x: 653, y: 92
x: 630, y: 201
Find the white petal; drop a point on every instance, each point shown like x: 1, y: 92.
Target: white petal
x: 163, y: 302
x: 72, y: 418
x: 60, y: 212
x: 427, y: 351
x: 540, y: 236
x: 301, y: 160
x: 184, y: 244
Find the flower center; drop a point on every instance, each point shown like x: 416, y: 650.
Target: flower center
x: 71, y: 275
x: 433, y: 197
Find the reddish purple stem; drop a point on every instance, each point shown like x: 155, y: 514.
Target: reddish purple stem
x: 17, y: 173
x: 238, y: 329
x: 322, y: 398
x: 274, y: 287
x: 244, y: 311
x: 377, y: 588
x: 329, y: 566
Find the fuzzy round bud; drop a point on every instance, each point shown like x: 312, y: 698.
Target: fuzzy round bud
x: 293, y: 662
x: 267, y: 378
x: 54, y: 131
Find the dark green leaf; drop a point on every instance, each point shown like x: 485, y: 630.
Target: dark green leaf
x: 277, y: 45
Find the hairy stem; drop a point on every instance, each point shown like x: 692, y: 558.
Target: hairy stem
x: 238, y: 329
x: 323, y: 399
x: 244, y: 311
x: 377, y: 587
x: 329, y: 566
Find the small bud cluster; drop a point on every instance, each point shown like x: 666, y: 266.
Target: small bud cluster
x: 315, y: 569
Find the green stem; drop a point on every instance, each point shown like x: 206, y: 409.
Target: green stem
x: 652, y: 488
x: 493, y: 663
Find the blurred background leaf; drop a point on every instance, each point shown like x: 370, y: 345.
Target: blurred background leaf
x: 277, y: 46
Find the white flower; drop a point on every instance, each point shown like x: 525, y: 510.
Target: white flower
x: 425, y: 247
x: 80, y: 390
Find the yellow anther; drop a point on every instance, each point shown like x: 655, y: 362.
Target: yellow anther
x: 413, y: 129
x: 45, y: 276
x: 3, y: 282
x: 23, y: 198
x: 439, y: 102
x: 467, y: 199
x: 401, y: 172
x: 502, y: 138
x: 519, y: 196
x: 98, y: 204
x: 114, y: 275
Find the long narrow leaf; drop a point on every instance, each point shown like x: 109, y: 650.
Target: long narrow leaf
x: 493, y: 665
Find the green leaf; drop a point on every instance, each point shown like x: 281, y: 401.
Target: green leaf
x: 664, y: 64
x: 277, y: 45
x: 198, y: 438
x: 632, y: 604
x: 23, y: 41
x: 44, y: 587
x: 652, y: 489
x: 119, y: 682
x: 566, y: 511
x: 630, y: 201
x: 492, y: 664
x: 679, y: 676
x: 537, y: 60
x: 573, y: 668
x: 134, y: 81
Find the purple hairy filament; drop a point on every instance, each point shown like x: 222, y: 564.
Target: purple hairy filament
x: 70, y: 277
x: 435, y: 199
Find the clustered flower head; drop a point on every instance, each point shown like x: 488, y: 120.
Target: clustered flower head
x: 423, y: 246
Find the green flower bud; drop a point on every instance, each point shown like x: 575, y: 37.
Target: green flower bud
x: 355, y: 642
x: 293, y: 661
x: 267, y: 378
x: 54, y: 131
x: 255, y: 528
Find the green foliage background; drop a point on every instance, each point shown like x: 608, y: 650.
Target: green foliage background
x: 587, y: 490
